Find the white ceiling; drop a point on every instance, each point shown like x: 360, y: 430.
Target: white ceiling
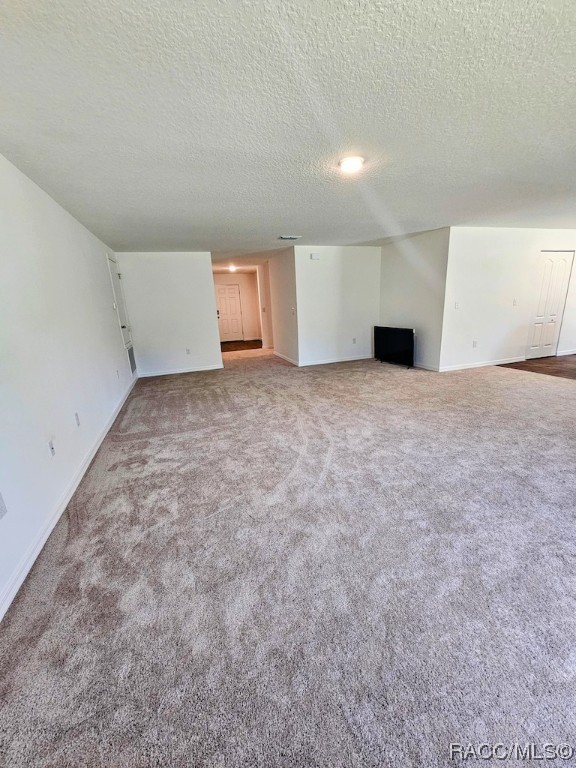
x: 240, y: 269
x: 210, y: 125
x: 222, y: 260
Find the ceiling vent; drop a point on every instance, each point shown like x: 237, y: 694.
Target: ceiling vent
x: 290, y: 237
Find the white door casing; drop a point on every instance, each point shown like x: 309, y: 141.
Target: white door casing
x: 120, y: 304
x: 229, y: 312
x: 555, y: 269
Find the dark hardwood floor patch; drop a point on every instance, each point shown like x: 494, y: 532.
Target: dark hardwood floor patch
x: 563, y: 366
x: 238, y: 346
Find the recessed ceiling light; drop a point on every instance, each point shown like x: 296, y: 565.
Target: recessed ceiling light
x: 351, y: 164
x: 290, y: 237
x: 232, y: 268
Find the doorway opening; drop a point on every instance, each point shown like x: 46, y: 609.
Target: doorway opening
x: 243, y: 308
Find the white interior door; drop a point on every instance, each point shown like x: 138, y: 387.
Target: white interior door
x: 555, y: 268
x: 229, y: 312
x: 119, y: 303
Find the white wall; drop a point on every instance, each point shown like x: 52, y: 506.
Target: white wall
x: 338, y: 302
x: 248, y: 284
x: 265, y: 305
x: 493, y: 276
x: 282, y: 273
x: 413, y: 281
x: 61, y: 352
x: 172, y: 308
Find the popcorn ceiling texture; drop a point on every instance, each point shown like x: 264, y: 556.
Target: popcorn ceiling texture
x: 342, y: 566
x: 218, y: 125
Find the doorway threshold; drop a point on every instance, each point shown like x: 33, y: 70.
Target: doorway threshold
x: 239, y: 346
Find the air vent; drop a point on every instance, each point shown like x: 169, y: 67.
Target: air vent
x: 290, y: 237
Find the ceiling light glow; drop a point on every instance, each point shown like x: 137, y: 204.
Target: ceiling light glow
x: 232, y: 268
x: 351, y: 164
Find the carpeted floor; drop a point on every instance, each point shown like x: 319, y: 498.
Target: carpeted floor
x: 349, y: 566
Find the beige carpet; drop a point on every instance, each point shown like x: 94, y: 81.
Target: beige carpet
x: 348, y: 565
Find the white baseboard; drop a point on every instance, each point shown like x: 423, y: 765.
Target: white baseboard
x: 180, y: 370
x: 566, y: 352
x: 23, y: 568
x: 288, y: 359
x: 253, y: 338
x: 335, y: 360
x: 427, y: 367
x: 463, y: 366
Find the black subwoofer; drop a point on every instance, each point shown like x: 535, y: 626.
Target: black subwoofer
x: 394, y: 345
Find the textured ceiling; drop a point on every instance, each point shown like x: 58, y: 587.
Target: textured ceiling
x: 212, y: 125
x: 242, y: 269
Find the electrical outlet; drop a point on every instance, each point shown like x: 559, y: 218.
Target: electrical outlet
x: 354, y: 340
x: 118, y: 374
x: 77, y: 419
x: 474, y: 343
x: 51, y: 446
x: 514, y: 303
x: 187, y: 351
x: 456, y: 305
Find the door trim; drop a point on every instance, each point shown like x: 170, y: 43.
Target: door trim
x: 541, y: 252
x: 230, y: 285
